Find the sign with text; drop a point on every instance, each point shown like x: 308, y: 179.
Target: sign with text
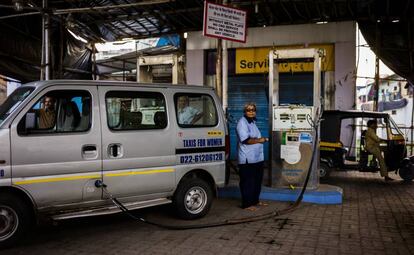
x: 256, y: 60
x: 224, y: 22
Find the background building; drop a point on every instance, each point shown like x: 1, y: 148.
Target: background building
x: 395, y: 97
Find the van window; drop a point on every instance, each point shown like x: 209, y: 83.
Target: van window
x: 128, y: 110
x: 57, y: 112
x: 13, y: 101
x: 195, y: 110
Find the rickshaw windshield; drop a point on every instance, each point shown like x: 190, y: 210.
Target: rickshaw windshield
x: 394, y: 128
x: 14, y: 100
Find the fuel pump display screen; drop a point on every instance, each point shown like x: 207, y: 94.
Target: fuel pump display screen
x: 292, y: 117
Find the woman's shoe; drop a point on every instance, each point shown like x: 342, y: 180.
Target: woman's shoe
x: 262, y: 203
x: 251, y: 208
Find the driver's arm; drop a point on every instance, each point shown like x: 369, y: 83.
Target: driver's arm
x: 373, y: 136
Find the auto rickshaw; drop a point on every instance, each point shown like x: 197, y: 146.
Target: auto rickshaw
x: 343, y: 138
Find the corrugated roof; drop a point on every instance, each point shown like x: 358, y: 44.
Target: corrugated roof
x: 110, y: 20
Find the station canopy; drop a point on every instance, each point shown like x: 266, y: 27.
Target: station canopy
x: 386, y: 25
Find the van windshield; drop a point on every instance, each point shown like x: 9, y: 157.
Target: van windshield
x: 14, y: 100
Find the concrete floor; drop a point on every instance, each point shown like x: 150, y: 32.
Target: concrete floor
x: 375, y: 218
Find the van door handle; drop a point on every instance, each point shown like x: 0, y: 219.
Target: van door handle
x: 89, y: 148
x: 115, y: 150
x: 2, y: 161
x: 89, y: 151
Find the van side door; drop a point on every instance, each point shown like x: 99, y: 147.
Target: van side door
x: 55, y: 146
x: 201, y: 133
x: 138, y: 149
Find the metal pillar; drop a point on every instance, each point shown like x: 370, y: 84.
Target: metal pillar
x: 412, y: 125
x: 123, y: 71
x: 137, y: 55
x: 376, y: 85
x: 377, y: 80
x: 94, y: 69
x: 224, y: 72
x: 225, y: 77
x: 45, y: 73
x: 219, y: 68
x: 410, y: 48
x: 174, y: 69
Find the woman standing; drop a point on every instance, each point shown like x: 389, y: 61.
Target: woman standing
x: 250, y: 158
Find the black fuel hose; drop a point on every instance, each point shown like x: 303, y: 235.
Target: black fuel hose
x: 226, y: 222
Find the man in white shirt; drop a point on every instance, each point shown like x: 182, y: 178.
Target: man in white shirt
x: 187, y: 115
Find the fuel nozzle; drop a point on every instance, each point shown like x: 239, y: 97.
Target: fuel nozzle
x: 100, y: 184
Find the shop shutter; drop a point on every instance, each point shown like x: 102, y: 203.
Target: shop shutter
x: 243, y: 89
x: 295, y: 88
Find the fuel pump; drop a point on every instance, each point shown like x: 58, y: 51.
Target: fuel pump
x: 291, y: 125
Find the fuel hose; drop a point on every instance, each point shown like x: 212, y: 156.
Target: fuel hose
x: 235, y: 221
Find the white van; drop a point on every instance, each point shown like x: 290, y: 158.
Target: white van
x: 149, y: 144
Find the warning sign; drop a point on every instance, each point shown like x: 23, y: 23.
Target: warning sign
x: 224, y: 22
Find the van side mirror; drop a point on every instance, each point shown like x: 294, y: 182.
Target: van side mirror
x: 30, y: 120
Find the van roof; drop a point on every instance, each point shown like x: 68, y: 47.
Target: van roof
x: 112, y: 83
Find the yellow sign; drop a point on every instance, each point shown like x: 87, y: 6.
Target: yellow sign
x: 215, y: 133
x: 256, y: 60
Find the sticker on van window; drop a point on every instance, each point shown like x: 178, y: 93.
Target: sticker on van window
x: 200, y: 158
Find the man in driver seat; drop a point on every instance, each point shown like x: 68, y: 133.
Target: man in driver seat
x: 372, y: 145
x: 47, y: 114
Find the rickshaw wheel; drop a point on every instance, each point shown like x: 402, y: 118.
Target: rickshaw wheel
x: 406, y: 171
x: 324, y: 171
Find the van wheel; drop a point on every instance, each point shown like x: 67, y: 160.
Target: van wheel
x: 324, y: 171
x: 14, y: 219
x: 193, y: 199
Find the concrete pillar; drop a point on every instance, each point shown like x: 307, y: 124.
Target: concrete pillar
x: 175, y: 69
x: 329, y: 90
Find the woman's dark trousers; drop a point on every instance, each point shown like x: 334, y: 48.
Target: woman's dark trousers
x: 251, y: 176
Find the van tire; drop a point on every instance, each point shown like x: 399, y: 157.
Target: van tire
x: 15, y: 220
x: 193, y: 198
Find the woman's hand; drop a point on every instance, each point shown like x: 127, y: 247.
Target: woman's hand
x: 263, y: 139
x: 257, y: 140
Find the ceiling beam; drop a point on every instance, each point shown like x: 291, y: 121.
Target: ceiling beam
x: 297, y: 11
x: 286, y: 11
x: 108, y: 7
x: 146, y: 18
x: 334, y: 9
x: 135, y: 16
x: 129, y: 27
